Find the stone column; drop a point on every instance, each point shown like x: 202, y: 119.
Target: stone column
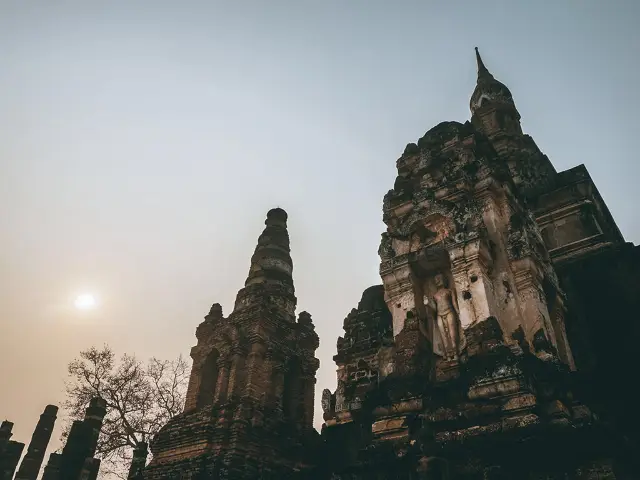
x: 399, y: 294
x: 52, y: 470
x: 5, y: 434
x: 90, y: 469
x: 138, y: 462
x: 82, y: 440
x: 308, y: 394
x: 532, y: 309
x: 474, y: 288
x: 255, y: 383
x: 32, y: 461
x: 223, y: 381
x: 10, y: 451
x: 13, y: 452
x: 562, y: 342
x: 237, y: 375
x: 341, y: 404
x: 93, y: 418
x: 265, y: 397
x: 193, y: 390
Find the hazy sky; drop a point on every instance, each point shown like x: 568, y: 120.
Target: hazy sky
x: 143, y: 141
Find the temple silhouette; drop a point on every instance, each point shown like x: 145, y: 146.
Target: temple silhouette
x: 500, y: 344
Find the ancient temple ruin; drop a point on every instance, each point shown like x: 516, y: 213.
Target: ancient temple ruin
x: 481, y: 356
x: 32, y: 461
x: 470, y: 371
x: 500, y: 344
x: 10, y: 451
x: 75, y: 462
x: 249, y: 408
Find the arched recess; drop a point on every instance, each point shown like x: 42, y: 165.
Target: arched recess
x: 291, y: 394
x: 208, y: 379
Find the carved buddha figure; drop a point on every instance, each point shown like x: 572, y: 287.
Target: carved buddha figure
x: 447, y: 317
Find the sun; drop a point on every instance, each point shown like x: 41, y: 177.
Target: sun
x: 86, y: 301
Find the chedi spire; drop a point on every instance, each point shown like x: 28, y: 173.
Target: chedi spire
x: 482, y: 70
x: 269, y: 283
x: 271, y: 260
x: 490, y: 91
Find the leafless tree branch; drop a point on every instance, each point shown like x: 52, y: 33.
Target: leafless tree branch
x: 140, y: 400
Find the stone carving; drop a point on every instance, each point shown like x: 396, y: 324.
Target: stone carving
x: 340, y: 403
x: 326, y: 400
x: 447, y: 320
x: 385, y: 251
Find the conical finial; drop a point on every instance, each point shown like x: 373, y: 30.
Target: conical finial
x: 482, y: 70
x: 271, y: 258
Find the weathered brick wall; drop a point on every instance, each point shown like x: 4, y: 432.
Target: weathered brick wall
x: 257, y: 417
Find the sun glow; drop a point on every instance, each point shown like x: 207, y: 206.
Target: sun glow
x: 86, y: 301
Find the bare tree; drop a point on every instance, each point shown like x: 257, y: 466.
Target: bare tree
x: 140, y: 399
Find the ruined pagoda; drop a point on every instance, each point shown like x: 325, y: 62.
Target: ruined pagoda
x: 499, y: 345
x: 460, y: 366
x: 249, y: 407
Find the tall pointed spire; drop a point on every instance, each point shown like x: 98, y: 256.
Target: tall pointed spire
x: 271, y: 259
x: 489, y: 90
x: 270, y: 280
x: 482, y: 70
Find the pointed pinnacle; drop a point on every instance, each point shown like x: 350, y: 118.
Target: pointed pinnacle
x: 482, y: 70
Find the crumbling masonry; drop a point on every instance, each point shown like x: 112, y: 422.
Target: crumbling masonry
x: 483, y: 355
x: 249, y: 408
x: 499, y: 346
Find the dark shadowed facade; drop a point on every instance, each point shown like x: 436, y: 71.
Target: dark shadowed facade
x: 75, y: 462
x: 249, y: 408
x: 499, y: 345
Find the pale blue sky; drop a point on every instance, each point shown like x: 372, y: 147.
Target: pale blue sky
x: 142, y: 143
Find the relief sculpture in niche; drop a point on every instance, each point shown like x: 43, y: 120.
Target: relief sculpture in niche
x: 445, y: 313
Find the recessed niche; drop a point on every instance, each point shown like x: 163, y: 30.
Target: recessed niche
x: 466, y: 295
x: 474, y: 278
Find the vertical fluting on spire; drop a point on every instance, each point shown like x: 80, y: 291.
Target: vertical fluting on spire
x: 271, y: 260
x: 32, y: 461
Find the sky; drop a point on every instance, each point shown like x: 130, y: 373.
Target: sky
x: 142, y: 143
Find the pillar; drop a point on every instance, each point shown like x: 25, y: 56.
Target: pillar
x: 237, y: 375
x: 399, y: 293
x: 52, y: 470
x: 83, y: 440
x: 32, y: 461
x: 223, y: 381
x: 255, y: 370
x: 562, y: 341
x: 10, y: 451
x: 5, y: 434
x: 94, y: 416
x: 90, y: 469
x: 308, y: 394
x: 193, y: 390
x: 532, y: 308
x: 474, y: 288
